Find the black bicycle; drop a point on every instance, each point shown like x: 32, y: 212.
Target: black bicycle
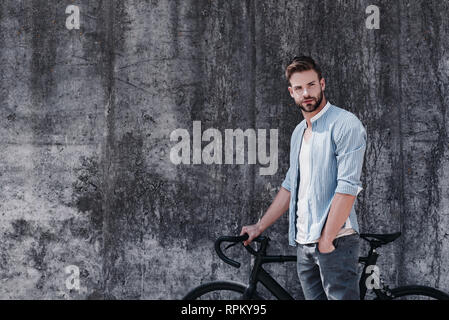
x: 230, y: 290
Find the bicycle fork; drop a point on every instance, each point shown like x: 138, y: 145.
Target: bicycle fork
x: 253, y: 277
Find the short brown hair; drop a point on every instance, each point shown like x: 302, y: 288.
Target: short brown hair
x: 302, y: 63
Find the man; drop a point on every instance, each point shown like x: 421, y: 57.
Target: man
x: 326, y: 156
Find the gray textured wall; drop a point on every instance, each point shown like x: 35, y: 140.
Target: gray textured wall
x: 86, y: 116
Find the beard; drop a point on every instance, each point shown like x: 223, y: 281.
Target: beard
x: 313, y: 105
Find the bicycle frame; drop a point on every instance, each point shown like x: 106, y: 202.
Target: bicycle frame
x: 258, y: 274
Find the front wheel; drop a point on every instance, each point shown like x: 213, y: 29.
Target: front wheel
x: 418, y: 293
x: 219, y: 290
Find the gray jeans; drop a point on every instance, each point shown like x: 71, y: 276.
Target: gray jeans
x: 330, y: 276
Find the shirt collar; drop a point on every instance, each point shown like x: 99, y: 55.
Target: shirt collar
x: 319, y: 114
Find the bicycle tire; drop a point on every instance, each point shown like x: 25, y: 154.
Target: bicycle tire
x: 231, y: 290
x: 418, y: 293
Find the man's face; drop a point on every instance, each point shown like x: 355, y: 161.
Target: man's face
x: 307, y: 90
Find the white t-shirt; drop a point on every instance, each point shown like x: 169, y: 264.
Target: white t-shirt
x: 302, y: 209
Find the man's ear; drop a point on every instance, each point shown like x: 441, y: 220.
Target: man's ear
x: 323, y: 84
x: 291, y: 91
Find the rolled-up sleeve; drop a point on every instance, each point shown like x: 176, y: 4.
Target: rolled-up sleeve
x: 350, y: 151
x: 286, y: 182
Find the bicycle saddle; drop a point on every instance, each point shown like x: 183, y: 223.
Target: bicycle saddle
x: 383, y: 238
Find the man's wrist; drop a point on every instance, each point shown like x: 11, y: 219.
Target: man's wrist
x: 259, y: 226
x: 327, y: 238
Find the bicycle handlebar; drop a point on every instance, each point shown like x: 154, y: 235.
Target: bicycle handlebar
x: 235, y: 239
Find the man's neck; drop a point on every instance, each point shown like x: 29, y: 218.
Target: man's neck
x: 309, y: 115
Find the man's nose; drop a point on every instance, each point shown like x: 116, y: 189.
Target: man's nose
x: 305, y: 93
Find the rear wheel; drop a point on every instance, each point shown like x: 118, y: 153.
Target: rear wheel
x: 418, y: 293
x: 219, y: 290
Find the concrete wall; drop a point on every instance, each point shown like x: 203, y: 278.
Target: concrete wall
x: 86, y: 116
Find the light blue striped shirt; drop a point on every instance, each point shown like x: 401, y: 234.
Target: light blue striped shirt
x: 337, y: 147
